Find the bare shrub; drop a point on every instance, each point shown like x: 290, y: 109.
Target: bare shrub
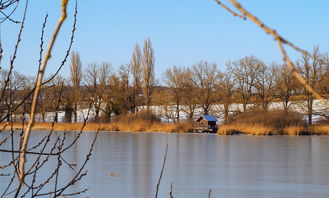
x: 278, y: 120
x: 138, y: 116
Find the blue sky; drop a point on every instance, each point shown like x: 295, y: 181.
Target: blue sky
x: 182, y: 32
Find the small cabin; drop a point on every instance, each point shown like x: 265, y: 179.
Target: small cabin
x: 206, y: 123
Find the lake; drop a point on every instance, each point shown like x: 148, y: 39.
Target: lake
x: 129, y: 164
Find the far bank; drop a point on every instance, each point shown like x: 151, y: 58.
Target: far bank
x: 182, y: 127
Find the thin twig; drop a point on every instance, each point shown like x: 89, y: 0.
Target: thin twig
x: 230, y: 11
x: 8, y: 16
x: 12, y: 60
x: 70, y: 45
x: 41, y: 40
x: 161, y: 173
x: 79, y: 174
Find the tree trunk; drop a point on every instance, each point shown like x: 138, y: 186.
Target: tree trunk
x: 191, y: 113
x: 43, y: 117
x: 244, y: 106
x: 205, y: 110
x: 226, y: 111
x: 75, y: 111
x: 285, y: 106
x: 96, y: 114
x: 310, y: 110
x: 265, y: 105
x: 177, y: 112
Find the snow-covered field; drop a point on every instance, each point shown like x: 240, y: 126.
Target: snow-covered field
x: 168, y: 113
x: 319, y: 109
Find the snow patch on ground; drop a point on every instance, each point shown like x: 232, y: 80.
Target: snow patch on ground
x: 168, y: 113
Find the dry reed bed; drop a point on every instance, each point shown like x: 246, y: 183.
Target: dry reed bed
x: 144, y: 126
x: 259, y: 129
x: 134, y: 126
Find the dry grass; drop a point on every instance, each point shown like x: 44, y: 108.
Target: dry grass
x: 319, y: 129
x: 273, y: 122
x: 134, y: 126
x: 273, y: 119
x: 147, y: 126
x: 254, y: 129
x: 311, y: 130
x: 294, y: 130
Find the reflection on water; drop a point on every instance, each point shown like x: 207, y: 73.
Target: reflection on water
x: 128, y: 165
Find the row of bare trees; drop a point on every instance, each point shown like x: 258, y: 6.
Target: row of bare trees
x: 184, y: 89
x: 111, y: 92
x: 246, y: 81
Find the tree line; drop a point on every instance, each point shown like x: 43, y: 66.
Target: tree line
x: 248, y: 81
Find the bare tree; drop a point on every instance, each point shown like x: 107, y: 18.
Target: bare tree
x: 286, y: 86
x: 136, y: 69
x: 190, y: 99
x: 116, y: 98
x: 312, y: 71
x: 164, y: 99
x: 55, y: 91
x: 148, y: 76
x: 176, y: 79
x: 120, y: 97
x: 12, y: 91
x: 226, y: 91
x: 265, y: 84
x: 245, y: 73
x: 76, y: 77
x: 126, y: 91
x: 206, y: 78
x: 97, y: 78
x: 67, y: 105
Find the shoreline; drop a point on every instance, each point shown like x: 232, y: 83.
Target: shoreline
x: 135, y: 126
x: 139, y: 126
x: 265, y: 130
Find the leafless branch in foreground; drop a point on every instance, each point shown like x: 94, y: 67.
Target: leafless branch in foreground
x: 36, y: 93
x: 29, y: 94
x: 48, y: 151
x: 281, y: 41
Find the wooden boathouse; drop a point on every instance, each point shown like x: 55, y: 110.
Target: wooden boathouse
x: 206, y: 123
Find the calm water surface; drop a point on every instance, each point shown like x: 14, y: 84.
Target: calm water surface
x: 129, y: 164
